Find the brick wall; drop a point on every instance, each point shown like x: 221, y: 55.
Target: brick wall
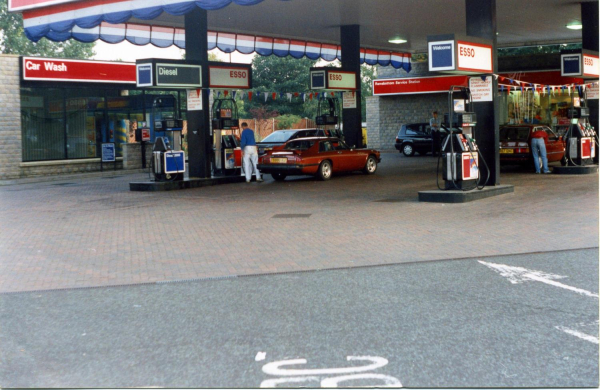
x: 10, y: 118
x: 132, y: 155
x: 385, y: 114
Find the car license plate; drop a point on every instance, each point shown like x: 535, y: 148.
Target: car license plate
x: 507, y: 151
x: 279, y: 160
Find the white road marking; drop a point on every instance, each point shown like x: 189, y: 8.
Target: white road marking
x: 518, y: 275
x: 388, y: 381
x: 275, y: 370
x: 260, y: 356
x: 579, y: 334
x: 272, y: 383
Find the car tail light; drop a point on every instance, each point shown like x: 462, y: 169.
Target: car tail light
x: 397, y: 139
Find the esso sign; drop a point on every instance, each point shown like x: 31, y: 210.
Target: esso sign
x: 591, y: 66
x: 467, y: 52
x: 474, y: 57
x: 229, y: 77
x: 341, y: 80
x: 238, y: 74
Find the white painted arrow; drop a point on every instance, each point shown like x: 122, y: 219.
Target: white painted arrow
x: 518, y: 275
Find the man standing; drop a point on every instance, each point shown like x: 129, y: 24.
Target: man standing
x: 250, y: 153
x: 434, y: 124
x: 538, y: 148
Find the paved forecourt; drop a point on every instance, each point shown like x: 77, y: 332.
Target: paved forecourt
x: 93, y: 231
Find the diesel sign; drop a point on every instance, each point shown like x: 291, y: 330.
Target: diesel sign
x: 175, y: 75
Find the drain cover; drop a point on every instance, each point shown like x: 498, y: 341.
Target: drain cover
x: 292, y: 215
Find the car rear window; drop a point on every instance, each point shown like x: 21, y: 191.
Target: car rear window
x: 299, y: 145
x: 279, y: 136
x: 514, y: 134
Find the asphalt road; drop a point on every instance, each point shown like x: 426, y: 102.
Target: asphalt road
x: 454, y: 323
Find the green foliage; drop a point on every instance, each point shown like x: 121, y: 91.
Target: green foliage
x: 367, y: 74
x: 287, y: 121
x: 14, y: 41
x: 276, y: 74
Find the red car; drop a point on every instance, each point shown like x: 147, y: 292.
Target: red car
x: 515, y: 144
x: 318, y: 156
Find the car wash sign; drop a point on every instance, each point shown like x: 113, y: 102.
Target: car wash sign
x: 580, y: 63
x: 448, y: 53
x: 159, y: 73
x: 67, y: 70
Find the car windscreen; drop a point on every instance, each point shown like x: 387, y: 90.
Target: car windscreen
x: 514, y: 134
x: 278, y: 136
x: 299, y: 145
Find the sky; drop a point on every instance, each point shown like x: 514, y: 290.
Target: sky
x: 128, y: 52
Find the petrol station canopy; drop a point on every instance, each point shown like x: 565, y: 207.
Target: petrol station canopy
x: 296, y: 27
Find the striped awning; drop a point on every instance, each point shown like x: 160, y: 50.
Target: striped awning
x: 106, y: 20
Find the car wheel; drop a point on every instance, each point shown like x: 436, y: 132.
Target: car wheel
x: 325, y: 171
x: 370, y: 166
x: 408, y: 150
x: 279, y: 176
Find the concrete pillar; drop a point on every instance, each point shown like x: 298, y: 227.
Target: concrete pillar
x: 589, y: 41
x: 199, y: 138
x: 352, y: 117
x: 481, y: 22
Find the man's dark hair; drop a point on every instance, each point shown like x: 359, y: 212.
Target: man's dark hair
x: 244, y: 124
x: 435, y: 112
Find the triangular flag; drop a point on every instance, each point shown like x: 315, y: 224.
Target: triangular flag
x: 296, y: 94
x: 266, y: 96
x: 303, y: 97
x: 225, y: 93
x: 310, y: 96
x: 198, y: 91
x: 250, y: 95
x: 289, y: 96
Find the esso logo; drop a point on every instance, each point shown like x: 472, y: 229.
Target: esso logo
x: 588, y: 61
x: 238, y: 74
x: 335, y: 77
x: 467, y: 52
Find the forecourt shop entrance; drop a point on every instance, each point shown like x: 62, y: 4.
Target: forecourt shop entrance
x: 186, y: 23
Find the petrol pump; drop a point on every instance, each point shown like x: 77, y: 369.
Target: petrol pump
x: 460, y: 154
x: 328, y: 114
x: 227, y: 159
x: 580, y: 139
x: 167, y: 164
x: 329, y: 108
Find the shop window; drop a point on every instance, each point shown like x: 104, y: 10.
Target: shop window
x: 42, y: 124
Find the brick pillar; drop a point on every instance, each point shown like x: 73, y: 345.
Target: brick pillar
x: 10, y: 118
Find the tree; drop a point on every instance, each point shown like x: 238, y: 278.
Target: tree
x: 367, y: 74
x: 14, y: 41
x: 276, y: 74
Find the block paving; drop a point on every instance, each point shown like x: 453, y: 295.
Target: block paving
x: 90, y: 231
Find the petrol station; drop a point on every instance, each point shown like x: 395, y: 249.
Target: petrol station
x: 461, y: 52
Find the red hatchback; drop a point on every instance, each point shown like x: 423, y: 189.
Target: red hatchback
x: 515, y: 144
x: 318, y: 156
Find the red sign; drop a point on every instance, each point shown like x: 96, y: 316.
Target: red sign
x: 20, y: 5
x: 53, y: 69
x: 145, y: 134
x: 417, y: 85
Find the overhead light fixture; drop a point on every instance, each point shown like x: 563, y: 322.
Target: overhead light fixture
x: 397, y: 40
x: 574, y: 26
